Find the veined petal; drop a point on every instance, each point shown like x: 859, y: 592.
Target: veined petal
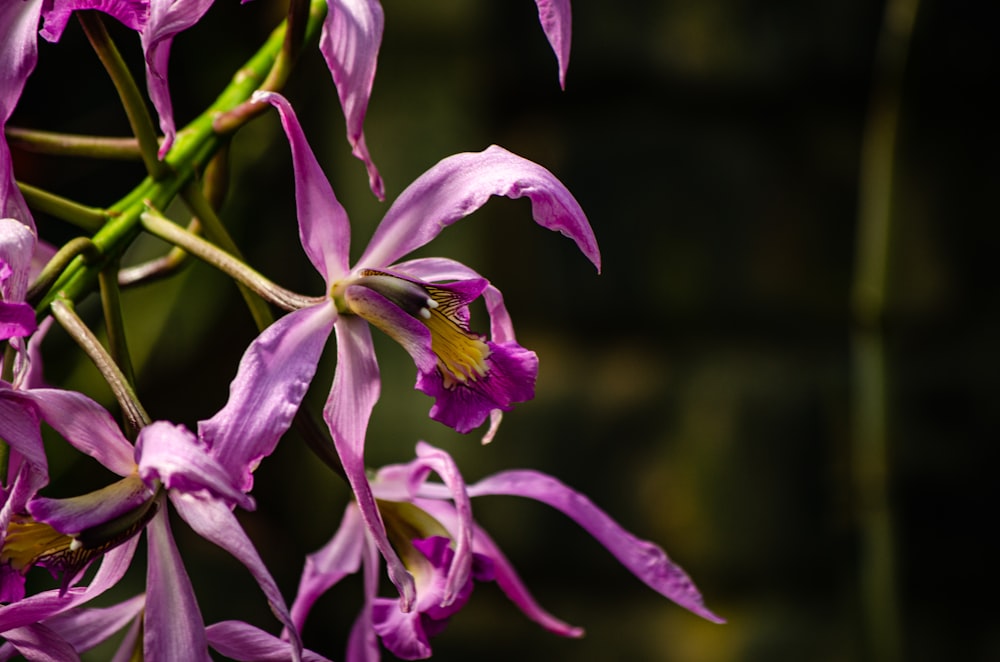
x: 132, y: 13
x: 645, y: 560
x: 459, y: 185
x: 215, y: 521
x: 324, y: 228
x: 86, y: 425
x: 75, y: 514
x: 240, y: 641
x: 352, y: 397
x: 331, y: 563
x: 172, y: 455
x: 17, y: 320
x: 85, y: 628
x: 272, y: 379
x: 554, y: 15
x: 174, y: 628
x: 352, y: 34
x: 39, y: 642
x: 167, y: 18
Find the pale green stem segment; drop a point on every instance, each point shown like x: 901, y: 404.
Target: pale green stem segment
x: 135, y: 106
x: 165, y: 229
x: 133, y: 414
x: 80, y: 246
x: 870, y: 438
x: 90, y: 219
x: 69, y: 144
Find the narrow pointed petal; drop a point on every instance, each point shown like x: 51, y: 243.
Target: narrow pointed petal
x: 331, y: 563
x: 215, y: 521
x: 352, y: 34
x: 39, y: 642
x: 554, y: 15
x: 86, y: 425
x: 324, y: 228
x: 167, y: 18
x: 75, y: 514
x: 174, y: 627
x: 272, y: 379
x: 644, y: 559
x: 362, y: 644
x: 459, y: 185
x: 239, y: 641
x: 352, y: 398
x: 86, y: 628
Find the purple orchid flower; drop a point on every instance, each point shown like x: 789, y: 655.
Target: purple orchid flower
x: 350, y: 42
x: 19, y: 23
x: 431, y: 523
x: 470, y: 377
x: 17, y: 246
x: 202, y: 481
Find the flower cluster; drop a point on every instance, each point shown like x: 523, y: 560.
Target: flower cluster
x: 422, y: 532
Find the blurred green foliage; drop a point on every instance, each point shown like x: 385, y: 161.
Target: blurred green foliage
x: 698, y: 389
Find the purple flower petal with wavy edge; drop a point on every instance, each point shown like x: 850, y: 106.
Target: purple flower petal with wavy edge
x: 131, y: 13
x: 41, y: 606
x: 324, y: 229
x: 504, y: 574
x: 215, y: 521
x: 459, y: 185
x: 240, y: 641
x: 17, y: 320
x: 172, y: 455
x: 86, y: 425
x: 555, y: 17
x: 271, y: 381
x: 352, y: 34
x: 167, y: 18
x: 349, y: 406
x: 85, y: 628
x: 174, y: 626
x: 75, y: 514
x: 644, y: 559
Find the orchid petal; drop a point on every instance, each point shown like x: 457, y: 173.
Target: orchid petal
x: 645, y: 560
x: 19, y: 54
x: 86, y: 425
x: 174, y: 628
x: 86, y: 628
x: 352, y: 397
x: 171, y: 454
x: 324, y: 228
x: 459, y: 185
x: 17, y: 248
x: 41, y: 606
x: 399, y: 325
x: 240, y: 641
x: 167, y: 18
x: 554, y: 15
x: 132, y: 13
x: 272, y: 379
x: 21, y: 432
x: 352, y: 34
x: 75, y: 514
x: 214, y: 521
x: 40, y: 643
x: 17, y: 320
x: 328, y: 565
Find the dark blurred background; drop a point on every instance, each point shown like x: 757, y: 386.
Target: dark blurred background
x: 700, y: 388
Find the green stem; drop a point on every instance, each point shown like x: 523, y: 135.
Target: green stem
x: 112, y: 304
x: 872, y: 466
x: 134, y: 415
x: 80, y: 246
x: 90, y: 219
x: 132, y: 99
x: 193, y: 148
x: 165, y: 229
x: 69, y: 144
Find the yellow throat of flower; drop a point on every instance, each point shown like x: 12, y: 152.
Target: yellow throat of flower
x: 28, y: 542
x: 461, y: 354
